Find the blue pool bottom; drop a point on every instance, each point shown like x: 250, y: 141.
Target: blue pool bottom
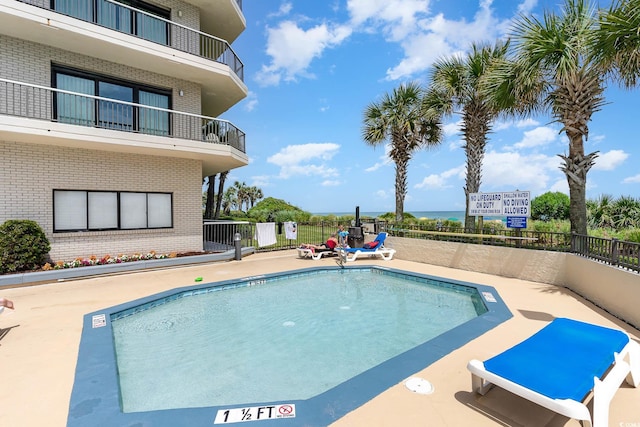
x: 95, y: 398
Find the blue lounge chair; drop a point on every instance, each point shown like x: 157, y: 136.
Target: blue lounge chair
x: 373, y: 248
x: 560, y: 366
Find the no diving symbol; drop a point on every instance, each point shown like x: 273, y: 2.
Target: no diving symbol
x: 285, y: 410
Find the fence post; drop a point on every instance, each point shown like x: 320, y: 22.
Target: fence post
x: 614, y: 251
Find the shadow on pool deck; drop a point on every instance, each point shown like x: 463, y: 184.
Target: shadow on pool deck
x: 39, y: 357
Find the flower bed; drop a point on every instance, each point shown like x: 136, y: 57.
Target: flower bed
x: 106, y: 259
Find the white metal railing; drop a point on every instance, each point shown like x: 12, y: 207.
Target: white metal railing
x: 63, y: 106
x: 175, y: 35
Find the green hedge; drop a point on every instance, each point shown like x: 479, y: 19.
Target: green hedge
x: 23, y: 246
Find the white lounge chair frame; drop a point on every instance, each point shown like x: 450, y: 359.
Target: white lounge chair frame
x: 626, y: 365
x: 384, y: 253
x: 316, y: 255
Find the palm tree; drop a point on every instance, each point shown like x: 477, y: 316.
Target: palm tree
x: 619, y: 40
x: 601, y: 212
x: 458, y: 82
x: 556, y: 63
x: 229, y: 199
x: 408, y: 123
x: 254, y: 194
x: 241, y: 194
x: 626, y: 212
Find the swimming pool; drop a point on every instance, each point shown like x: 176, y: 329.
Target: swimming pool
x: 97, y: 397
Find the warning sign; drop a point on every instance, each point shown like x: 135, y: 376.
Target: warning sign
x: 508, y: 203
x: 98, y: 321
x: 255, y: 413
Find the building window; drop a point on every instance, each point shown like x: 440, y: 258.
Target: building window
x: 118, y: 115
x: 79, y: 210
x: 144, y: 25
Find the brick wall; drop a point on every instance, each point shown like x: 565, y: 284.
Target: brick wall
x: 30, y: 172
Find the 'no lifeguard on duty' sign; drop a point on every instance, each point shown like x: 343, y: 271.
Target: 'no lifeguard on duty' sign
x: 508, y: 203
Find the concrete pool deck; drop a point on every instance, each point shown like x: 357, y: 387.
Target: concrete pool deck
x: 40, y: 339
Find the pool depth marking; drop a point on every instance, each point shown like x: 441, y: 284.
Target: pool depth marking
x: 255, y: 413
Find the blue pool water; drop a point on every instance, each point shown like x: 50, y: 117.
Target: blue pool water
x: 286, y: 339
x: 306, y: 346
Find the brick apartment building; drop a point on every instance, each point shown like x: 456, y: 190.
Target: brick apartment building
x: 109, y: 119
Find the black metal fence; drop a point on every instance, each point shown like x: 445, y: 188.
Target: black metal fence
x: 610, y: 251
x: 219, y: 235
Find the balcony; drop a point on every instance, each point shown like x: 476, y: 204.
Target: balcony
x: 225, y: 19
x: 42, y: 115
x: 133, y: 37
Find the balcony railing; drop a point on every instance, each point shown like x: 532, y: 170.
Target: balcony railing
x: 56, y: 105
x: 147, y: 26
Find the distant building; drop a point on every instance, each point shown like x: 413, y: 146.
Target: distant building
x: 108, y: 119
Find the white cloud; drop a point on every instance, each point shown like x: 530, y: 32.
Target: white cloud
x: 305, y: 159
x: 610, y: 160
x: 396, y: 17
x: 632, y: 180
x: 383, y: 194
x: 526, y: 123
x: 375, y: 167
x: 444, y: 37
x: 503, y: 171
x: 456, y: 144
x: 440, y: 181
x: 503, y: 125
x: 292, y: 49
x: 384, y: 160
x: 452, y: 128
x: 260, y: 181
x: 560, y: 185
x: 432, y: 181
x: 423, y: 37
x: 284, y: 9
x: 251, y: 101
x: 537, y: 137
x: 417, y: 57
x: 330, y: 183
x: 527, y: 6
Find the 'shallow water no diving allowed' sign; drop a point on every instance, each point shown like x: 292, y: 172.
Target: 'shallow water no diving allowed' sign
x: 509, y: 203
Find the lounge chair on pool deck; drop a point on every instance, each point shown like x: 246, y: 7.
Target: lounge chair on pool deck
x: 373, y: 248
x: 561, y: 365
x: 315, y: 253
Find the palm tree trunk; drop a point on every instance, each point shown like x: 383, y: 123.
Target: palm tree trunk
x: 576, y: 165
x: 401, y: 188
x: 475, y: 133
x: 223, y: 178
x: 208, y: 211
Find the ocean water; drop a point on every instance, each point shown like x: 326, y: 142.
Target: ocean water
x: 443, y: 215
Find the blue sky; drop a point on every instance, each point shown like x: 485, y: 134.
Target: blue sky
x: 312, y: 67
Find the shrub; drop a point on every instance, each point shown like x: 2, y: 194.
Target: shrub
x: 550, y: 206
x: 632, y: 235
x: 23, y: 246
